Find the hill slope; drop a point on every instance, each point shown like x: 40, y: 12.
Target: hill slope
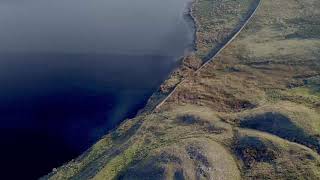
x: 253, y: 112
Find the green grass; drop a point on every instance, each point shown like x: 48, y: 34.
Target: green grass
x: 118, y: 163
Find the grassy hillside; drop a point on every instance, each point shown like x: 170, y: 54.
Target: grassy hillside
x: 252, y: 113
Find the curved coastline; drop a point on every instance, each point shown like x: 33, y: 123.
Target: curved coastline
x: 153, y: 104
x: 227, y: 107
x: 192, y: 24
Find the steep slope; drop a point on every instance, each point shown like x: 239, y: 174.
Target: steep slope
x: 251, y: 113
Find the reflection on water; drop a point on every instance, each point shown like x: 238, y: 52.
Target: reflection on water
x: 71, y: 70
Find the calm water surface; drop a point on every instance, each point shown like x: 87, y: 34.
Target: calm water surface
x: 71, y: 70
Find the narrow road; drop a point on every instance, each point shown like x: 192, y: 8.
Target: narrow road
x: 215, y: 52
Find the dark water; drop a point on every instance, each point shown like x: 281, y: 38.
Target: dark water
x: 71, y: 70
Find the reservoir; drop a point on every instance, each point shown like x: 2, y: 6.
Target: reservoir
x: 72, y: 70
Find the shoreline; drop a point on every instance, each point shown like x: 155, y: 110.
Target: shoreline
x: 230, y: 112
x: 153, y: 100
x: 194, y: 25
x: 193, y: 21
